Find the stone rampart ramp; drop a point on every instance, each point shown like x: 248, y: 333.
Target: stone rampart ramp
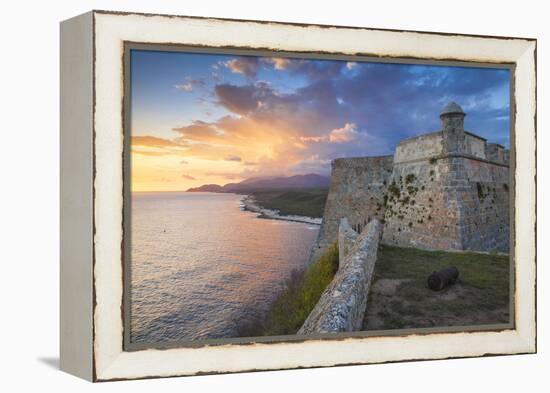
x: 342, y: 305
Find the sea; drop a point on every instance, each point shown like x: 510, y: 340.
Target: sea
x: 202, y: 267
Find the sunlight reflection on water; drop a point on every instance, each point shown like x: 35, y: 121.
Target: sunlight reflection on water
x: 201, y: 266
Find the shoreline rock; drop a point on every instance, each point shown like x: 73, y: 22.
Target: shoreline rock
x: 248, y: 203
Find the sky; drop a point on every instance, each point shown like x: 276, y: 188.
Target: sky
x: 215, y: 119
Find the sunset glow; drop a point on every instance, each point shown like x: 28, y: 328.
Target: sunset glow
x: 214, y: 119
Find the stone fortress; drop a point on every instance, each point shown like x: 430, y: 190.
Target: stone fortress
x: 446, y: 190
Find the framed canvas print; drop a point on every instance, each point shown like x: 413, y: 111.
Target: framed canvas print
x: 245, y: 195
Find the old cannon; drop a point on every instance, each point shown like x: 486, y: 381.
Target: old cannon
x: 442, y: 278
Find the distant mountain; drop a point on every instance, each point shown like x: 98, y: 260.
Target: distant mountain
x: 255, y: 179
x: 207, y: 188
x: 262, y: 183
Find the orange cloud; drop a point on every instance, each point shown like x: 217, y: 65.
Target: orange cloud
x: 266, y: 133
x: 247, y: 66
x: 152, y: 141
x: 279, y: 63
x: 200, y: 131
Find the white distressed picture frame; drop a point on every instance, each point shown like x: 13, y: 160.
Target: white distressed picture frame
x: 92, y: 144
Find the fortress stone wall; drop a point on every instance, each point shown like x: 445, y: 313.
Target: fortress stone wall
x: 447, y: 190
x: 357, y: 190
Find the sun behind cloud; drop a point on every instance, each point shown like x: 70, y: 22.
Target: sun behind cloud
x: 228, y: 118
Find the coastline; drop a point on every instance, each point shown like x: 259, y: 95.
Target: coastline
x: 249, y: 203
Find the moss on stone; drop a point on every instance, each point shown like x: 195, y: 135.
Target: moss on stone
x: 394, y: 190
x: 410, y: 178
x: 480, y: 193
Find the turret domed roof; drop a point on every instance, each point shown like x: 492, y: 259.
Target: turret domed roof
x: 452, y: 108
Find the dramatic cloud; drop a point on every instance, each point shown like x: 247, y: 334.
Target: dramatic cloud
x: 312, y: 164
x: 314, y: 138
x: 293, y: 116
x: 239, y: 99
x: 311, y: 69
x: 153, y: 146
x: 200, y: 130
x: 347, y: 133
x: 308, y: 111
x: 400, y: 101
x: 279, y: 63
x: 272, y: 132
x: 247, y: 66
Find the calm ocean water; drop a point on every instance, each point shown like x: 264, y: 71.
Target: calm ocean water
x: 201, y: 266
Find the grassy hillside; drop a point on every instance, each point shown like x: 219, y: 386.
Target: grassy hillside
x: 301, y: 202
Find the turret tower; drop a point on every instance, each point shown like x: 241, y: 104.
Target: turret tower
x: 452, y: 125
